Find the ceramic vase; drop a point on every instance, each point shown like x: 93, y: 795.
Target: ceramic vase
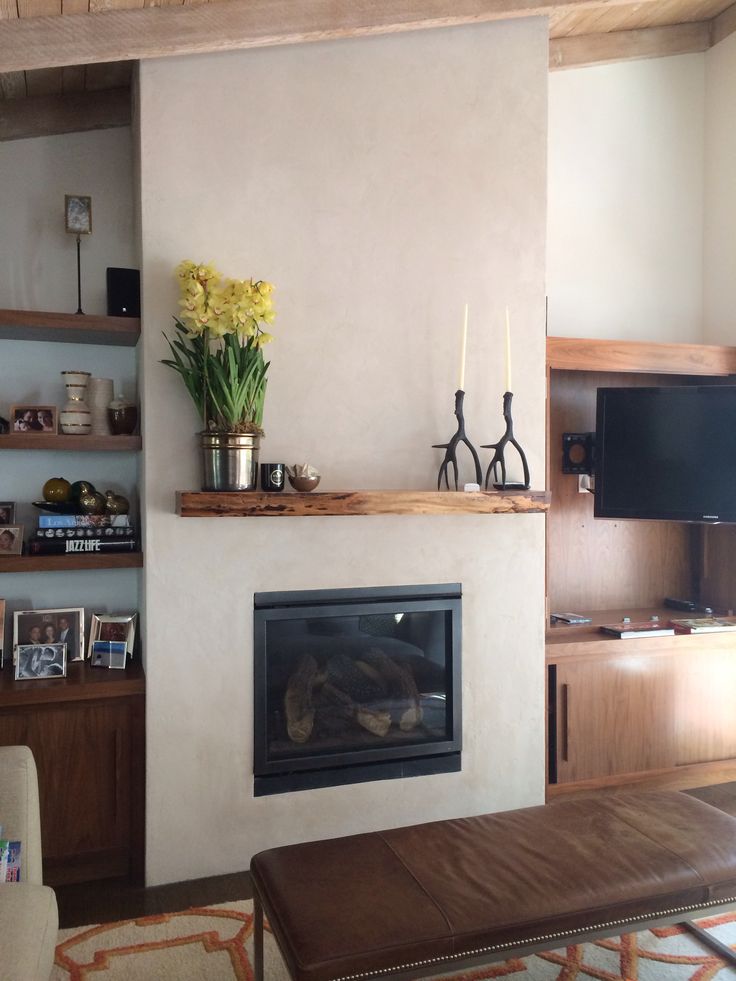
x: 99, y: 396
x: 75, y: 419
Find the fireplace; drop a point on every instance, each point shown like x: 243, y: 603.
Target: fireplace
x: 354, y: 685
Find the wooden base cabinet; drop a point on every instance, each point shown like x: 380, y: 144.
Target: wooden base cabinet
x: 657, y: 706
x: 86, y: 733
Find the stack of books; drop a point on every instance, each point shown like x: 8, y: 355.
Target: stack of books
x: 61, y: 534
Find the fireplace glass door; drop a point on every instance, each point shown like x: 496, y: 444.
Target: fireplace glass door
x: 346, y: 678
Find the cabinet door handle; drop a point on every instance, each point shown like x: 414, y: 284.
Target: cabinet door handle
x: 565, y: 723
x: 118, y: 771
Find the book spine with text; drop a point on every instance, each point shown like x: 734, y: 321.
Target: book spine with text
x: 84, y: 521
x: 67, y: 546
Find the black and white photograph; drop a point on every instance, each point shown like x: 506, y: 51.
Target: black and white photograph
x: 11, y: 540
x: 34, y: 420
x: 108, y: 654
x: 50, y: 627
x: 78, y: 214
x: 113, y: 627
x: 40, y: 661
x: 7, y: 512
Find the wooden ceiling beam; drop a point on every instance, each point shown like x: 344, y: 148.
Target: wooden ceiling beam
x: 582, y: 50
x: 723, y: 25
x: 75, y: 112
x: 153, y: 32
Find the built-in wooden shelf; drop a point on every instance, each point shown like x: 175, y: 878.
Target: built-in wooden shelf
x: 95, y: 444
x: 586, y: 354
x: 70, y: 328
x: 82, y: 683
x: 71, y: 563
x: 207, y: 504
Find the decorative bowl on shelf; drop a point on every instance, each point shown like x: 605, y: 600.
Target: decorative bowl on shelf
x: 57, y: 507
x: 303, y: 477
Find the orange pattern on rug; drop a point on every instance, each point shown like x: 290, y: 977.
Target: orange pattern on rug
x: 215, y: 943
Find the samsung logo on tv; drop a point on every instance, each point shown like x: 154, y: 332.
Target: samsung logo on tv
x: 711, y: 517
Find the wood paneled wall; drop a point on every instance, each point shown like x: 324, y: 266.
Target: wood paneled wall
x: 597, y: 564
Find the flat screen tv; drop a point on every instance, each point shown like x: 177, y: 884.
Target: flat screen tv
x: 666, y: 453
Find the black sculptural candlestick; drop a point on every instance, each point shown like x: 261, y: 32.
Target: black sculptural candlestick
x: 451, y: 447
x: 498, y: 460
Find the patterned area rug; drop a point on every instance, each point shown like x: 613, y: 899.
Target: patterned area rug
x: 214, y: 943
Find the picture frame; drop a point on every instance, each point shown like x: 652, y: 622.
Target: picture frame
x: 78, y: 214
x: 11, y: 540
x: 34, y: 420
x: 48, y: 627
x: 40, y: 661
x: 2, y: 632
x: 109, y: 654
x: 113, y: 627
x: 7, y: 512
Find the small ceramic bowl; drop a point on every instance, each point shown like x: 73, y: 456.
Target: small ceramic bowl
x: 303, y: 483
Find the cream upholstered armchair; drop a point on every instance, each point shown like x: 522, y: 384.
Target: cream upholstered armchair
x: 29, y: 919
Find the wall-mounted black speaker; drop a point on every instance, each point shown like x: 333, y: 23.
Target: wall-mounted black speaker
x: 123, y: 293
x: 578, y: 452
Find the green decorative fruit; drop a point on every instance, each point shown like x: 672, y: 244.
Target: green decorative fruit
x: 80, y: 487
x: 56, y: 489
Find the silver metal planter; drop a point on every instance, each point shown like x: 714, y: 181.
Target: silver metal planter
x: 230, y: 461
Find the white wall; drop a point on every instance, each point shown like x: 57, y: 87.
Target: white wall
x: 380, y: 183
x: 39, y: 272
x: 719, y: 254
x: 625, y: 216
x: 37, y: 256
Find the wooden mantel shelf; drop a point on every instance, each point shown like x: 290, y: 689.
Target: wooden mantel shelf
x: 250, y: 504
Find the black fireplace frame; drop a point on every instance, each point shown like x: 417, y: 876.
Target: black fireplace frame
x: 356, y: 766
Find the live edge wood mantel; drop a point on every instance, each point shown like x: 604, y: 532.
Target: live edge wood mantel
x: 250, y: 504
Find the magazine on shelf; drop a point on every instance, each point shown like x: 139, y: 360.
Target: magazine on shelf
x: 704, y: 625
x: 124, y: 531
x: 643, y: 628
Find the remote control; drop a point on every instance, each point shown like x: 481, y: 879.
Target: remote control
x: 680, y: 604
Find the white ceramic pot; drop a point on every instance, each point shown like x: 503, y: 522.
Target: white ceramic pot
x: 99, y: 396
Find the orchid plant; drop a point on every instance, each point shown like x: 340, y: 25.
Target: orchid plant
x: 218, y: 346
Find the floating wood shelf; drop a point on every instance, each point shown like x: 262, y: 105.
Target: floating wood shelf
x: 71, y: 563
x: 586, y: 354
x: 206, y: 504
x: 117, y: 444
x: 69, y: 328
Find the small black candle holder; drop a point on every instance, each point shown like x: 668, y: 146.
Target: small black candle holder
x: 451, y: 447
x: 498, y: 460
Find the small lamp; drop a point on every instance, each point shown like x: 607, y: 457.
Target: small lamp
x: 78, y: 216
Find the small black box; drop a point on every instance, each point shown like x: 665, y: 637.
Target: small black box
x: 123, y: 292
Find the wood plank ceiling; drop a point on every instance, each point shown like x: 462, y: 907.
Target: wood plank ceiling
x: 116, y: 32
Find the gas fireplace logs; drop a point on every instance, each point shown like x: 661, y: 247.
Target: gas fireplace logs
x: 372, y: 691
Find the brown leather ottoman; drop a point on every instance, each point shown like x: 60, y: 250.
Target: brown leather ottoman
x: 433, y: 897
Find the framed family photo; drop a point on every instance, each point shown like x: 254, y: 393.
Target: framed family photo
x: 34, y: 420
x: 7, y: 512
x: 49, y: 627
x: 118, y: 627
x: 11, y: 540
x: 40, y: 661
